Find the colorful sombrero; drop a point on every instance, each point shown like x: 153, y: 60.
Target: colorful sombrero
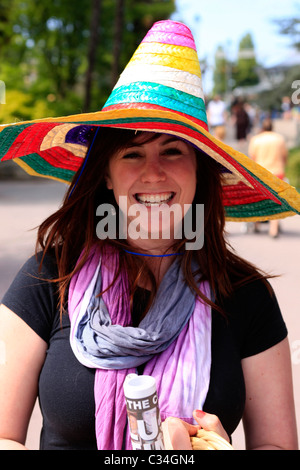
x: 160, y: 90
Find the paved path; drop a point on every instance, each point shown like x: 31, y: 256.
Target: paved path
x: 23, y: 205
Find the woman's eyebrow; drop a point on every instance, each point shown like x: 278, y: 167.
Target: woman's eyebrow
x: 170, y: 140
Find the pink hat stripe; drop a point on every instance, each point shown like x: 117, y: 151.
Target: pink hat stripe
x: 170, y: 38
x: 171, y: 27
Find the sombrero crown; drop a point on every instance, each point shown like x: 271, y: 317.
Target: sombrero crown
x: 164, y: 73
x: 160, y: 90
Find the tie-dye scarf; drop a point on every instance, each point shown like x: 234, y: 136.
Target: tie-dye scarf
x: 173, y: 341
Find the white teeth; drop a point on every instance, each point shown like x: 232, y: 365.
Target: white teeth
x: 154, y: 198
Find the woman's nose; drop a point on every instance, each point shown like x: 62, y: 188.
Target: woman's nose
x: 153, y: 171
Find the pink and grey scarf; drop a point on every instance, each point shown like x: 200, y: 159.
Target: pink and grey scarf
x: 173, y: 342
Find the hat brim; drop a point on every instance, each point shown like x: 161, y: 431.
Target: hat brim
x: 250, y: 192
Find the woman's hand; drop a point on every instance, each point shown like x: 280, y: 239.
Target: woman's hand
x: 177, y: 433
x: 210, y: 422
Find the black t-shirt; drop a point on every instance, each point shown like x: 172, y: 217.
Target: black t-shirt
x: 66, y: 388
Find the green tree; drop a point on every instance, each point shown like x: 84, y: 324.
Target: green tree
x: 55, y: 35
x: 221, y: 72
x: 5, y: 25
x: 271, y: 100
x: 117, y: 40
x: 245, y: 70
x: 134, y: 18
x: 94, y: 36
x: 290, y: 27
x: 67, y: 56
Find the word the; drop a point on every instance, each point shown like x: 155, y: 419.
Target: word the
x: 141, y: 404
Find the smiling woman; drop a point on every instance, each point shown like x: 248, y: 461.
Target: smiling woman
x: 86, y: 311
x: 154, y: 170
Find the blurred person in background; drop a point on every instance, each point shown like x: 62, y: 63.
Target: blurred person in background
x: 241, y: 120
x: 216, y: 116
x: 286, y: 107
x: 269, y: 150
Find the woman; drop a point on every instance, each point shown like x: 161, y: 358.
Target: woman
x: 242, y: 121
x: 95, y: 304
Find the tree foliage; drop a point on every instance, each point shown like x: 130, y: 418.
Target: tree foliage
x: 55, y: 59
x: 240, y: 72
x: 271, y: 100
x: 221, y: 72
x: 245, y: 72
x: 290, y: 27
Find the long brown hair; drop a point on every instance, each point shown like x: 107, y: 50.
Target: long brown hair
x: 72, y: 228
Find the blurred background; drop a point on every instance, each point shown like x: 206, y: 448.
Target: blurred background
x: 61, y: 57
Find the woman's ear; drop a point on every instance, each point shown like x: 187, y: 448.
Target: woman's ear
x: 108, y: 182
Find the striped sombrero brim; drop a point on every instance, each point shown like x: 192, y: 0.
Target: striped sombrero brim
x: 44, y: 148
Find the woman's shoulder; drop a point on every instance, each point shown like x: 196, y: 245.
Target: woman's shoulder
x: 41, y: 264
x: 32, y: 294
x: 254, y: 290
x: 251, y: 298
x: 248, y: 290
x: 255, y: 316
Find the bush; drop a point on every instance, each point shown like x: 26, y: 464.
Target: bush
x: 21, y: 106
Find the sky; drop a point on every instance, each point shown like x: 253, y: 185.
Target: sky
x: 220, y: 22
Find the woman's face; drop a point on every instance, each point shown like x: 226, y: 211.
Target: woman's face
x: 153, y: 174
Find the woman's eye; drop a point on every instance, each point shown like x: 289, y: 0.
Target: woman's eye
x: 172, y: 151
x: 131, y: 155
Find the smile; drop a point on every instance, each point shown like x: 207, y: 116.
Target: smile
x: 154, y: 199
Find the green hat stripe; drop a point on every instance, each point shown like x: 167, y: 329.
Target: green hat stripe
x: 160, y: 95
x: 42, y: 167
